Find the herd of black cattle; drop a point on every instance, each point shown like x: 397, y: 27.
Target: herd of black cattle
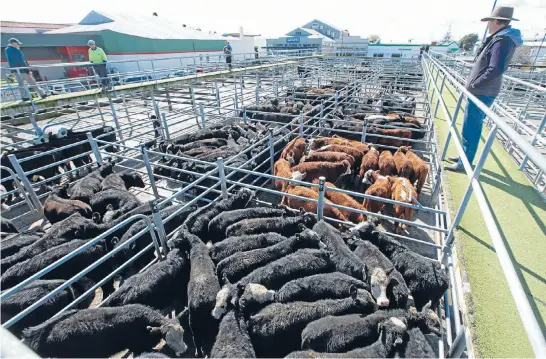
x: 244, y: 280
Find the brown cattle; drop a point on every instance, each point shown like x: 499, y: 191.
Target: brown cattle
x: 348, y: 149
x: 403, y: 191
x: 330, y: 170
x: 380, y: 187
x: 294, y: 150
x: 327, y: 156
x: 393, y: 132
x: 343, y: 199
x: 386, y: 163
x: 404, y: 167
x: 282, y: 169
x: 370, y: 161
x: 420, y: 168
x: 297, y: 203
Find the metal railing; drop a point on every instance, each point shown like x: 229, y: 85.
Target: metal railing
x: 522, y: 105
x: 137, y: 71
x: 434, y: 73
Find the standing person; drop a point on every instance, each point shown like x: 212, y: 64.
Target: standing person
x: 485, y: 79
x: 421, y: 51
x: 98, y: 58
x: 15, y: 58
x: 255, y: 52
x: 227, y: 52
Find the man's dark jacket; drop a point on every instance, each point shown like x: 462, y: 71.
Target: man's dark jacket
x: 492, y: 60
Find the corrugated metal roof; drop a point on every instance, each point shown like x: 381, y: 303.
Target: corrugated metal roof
x: 36, y: 25
x: 151, y: 27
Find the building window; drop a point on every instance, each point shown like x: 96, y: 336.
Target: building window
x: 322, y: 27
x: 315, y: 25
x: 298, y: 32
x: 333, y: 34
x: 396, y: 55
x: 377, y: 55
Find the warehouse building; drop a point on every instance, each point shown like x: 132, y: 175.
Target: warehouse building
x: 136, y: 39
x: 318, y: 36
x: 132, y: 39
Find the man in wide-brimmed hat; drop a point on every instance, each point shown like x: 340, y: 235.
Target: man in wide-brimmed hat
x: 485, y: 79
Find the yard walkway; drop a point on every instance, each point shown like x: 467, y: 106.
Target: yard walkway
x: 520, y: 215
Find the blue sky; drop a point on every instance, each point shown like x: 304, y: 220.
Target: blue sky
x: 392, y: 20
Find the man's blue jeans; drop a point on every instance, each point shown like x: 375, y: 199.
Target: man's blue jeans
x: 472, y: 126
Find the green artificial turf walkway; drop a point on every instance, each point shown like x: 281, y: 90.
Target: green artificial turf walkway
x: 520, y: 215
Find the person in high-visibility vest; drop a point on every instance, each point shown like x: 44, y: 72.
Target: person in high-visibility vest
x: 98, y: 58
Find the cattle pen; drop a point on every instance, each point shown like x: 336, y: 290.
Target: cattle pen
x: 132, y: 129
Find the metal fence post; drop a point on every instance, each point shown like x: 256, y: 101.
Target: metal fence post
x: 534, y: 140
x: 318, y: 81
x: 26, y: 183
x: 160, y: 229
x: 154, y: 104
x: 222, y: 176
x: 468, y: 193
x: 37, y: 128
x: 166, y: 132
x: 453, y: 121
x: 202, y: 112
x: 149, y: 170
x: 276, y: 88
x: 336, y: 100
x: 271, y: 150
x: 217, y: 94
x: 301, y: 124
x: 244, y: 117
x: 115, y: 120
x: 257, y: 95
x: 320, y: 204
x: 439, y: 94
x: 192, y: 98
x: 94, y: 147
x: 235, y: 101
x: 364, y: 130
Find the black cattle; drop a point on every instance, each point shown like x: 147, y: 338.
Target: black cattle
x: 102, y: 332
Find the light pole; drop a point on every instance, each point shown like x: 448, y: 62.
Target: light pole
x: 485, y: 33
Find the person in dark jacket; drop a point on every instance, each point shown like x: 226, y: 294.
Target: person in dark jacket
x: 15, y: 58
x: 485, y: 79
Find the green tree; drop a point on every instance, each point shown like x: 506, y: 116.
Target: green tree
x: 373, y: 38
x: 468, y: 41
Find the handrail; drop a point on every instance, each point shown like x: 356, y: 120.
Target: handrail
x: 528, y: 318
x: 511, y: 78
x: 522, y: 143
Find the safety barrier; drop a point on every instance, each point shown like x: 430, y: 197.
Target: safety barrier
x: 522, y: 105
x: 435, y: 72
